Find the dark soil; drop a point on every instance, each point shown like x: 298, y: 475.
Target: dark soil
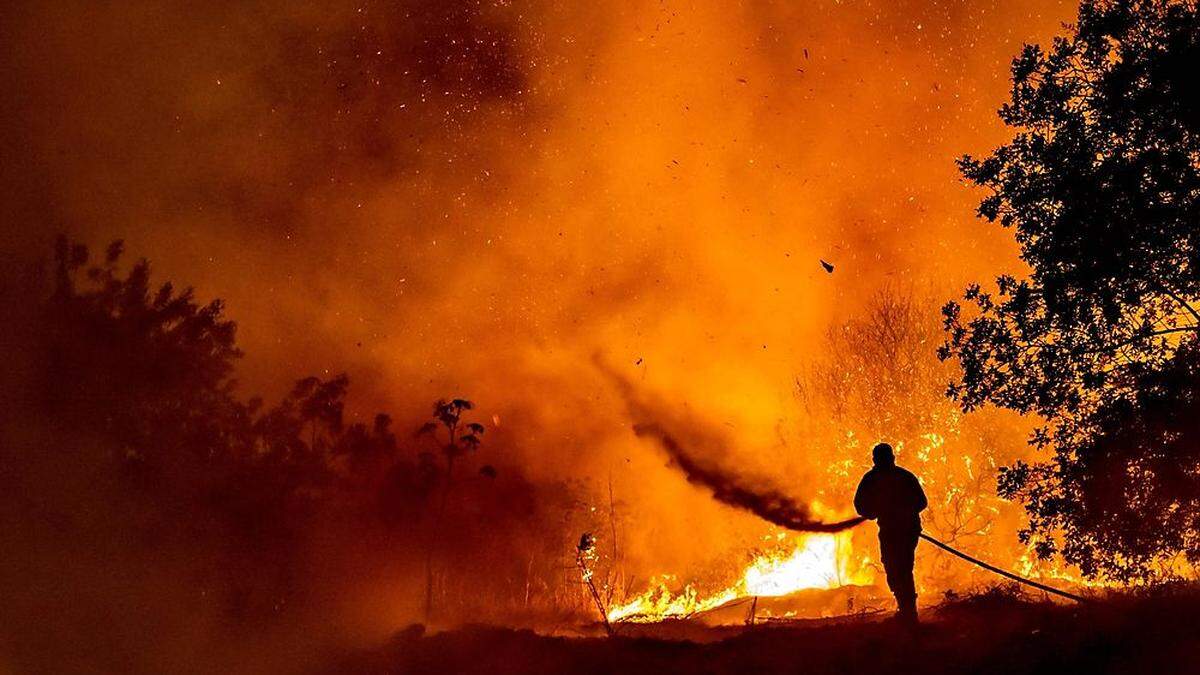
x: 988, y: 633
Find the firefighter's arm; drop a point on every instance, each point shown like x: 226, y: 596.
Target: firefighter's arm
x: 919, y: 495
x: 863, y: 500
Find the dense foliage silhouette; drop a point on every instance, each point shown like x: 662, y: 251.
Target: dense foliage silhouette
x: 1101, y: 184
x: 141, y: 484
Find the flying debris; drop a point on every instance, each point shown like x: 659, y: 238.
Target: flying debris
x: 827, y: 266
x: 638, y: 362
x: 488, y: 471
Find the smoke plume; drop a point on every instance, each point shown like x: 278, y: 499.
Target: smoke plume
x: 652, y: 419
x: 458, y: 198
x: 768, y: 504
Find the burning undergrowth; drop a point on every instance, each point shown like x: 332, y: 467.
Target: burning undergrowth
x: 821, y: 558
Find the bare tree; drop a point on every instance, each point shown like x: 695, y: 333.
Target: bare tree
x: 880, y: 379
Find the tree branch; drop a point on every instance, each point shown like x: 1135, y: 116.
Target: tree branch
x: 1182, y: 303
x: 1135, y: 338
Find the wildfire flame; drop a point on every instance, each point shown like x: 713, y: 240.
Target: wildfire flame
x: 811, y: 561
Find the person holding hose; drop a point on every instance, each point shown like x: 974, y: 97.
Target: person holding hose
x: 892, y: 496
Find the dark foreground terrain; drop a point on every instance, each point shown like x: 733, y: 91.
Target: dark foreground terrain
x: 995, y: 632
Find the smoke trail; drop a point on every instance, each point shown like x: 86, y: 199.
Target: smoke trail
x: 768, y: 504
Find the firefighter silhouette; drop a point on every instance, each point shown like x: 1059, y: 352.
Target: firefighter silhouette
x: 892, y: 496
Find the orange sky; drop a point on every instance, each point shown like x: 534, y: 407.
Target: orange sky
x: 476, y: 198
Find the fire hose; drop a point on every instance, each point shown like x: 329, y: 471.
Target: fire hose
x: 778, y: 509
x: 1003, y: 573
x: 976, y: 561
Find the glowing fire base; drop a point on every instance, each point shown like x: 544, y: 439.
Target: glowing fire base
x: 818, y: 561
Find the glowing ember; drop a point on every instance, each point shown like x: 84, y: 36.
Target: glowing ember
x: 816, y: 561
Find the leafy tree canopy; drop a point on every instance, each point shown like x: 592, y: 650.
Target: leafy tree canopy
x: 1101, y: 185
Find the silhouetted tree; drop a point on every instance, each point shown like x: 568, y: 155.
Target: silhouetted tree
x: 150, y: 369
x: 321, y: 404
x: 1102, y: 186
x: 1128, y: 498
x: 145, y: 375
x: 368, y: 450
x: 149, y: 499
x: 461, y: 438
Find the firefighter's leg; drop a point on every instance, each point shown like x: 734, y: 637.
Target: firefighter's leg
x: 898, y: 554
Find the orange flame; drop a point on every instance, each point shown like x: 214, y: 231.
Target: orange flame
x: 812, y: 561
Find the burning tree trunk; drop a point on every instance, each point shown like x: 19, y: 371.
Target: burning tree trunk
x: 751, y: 615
